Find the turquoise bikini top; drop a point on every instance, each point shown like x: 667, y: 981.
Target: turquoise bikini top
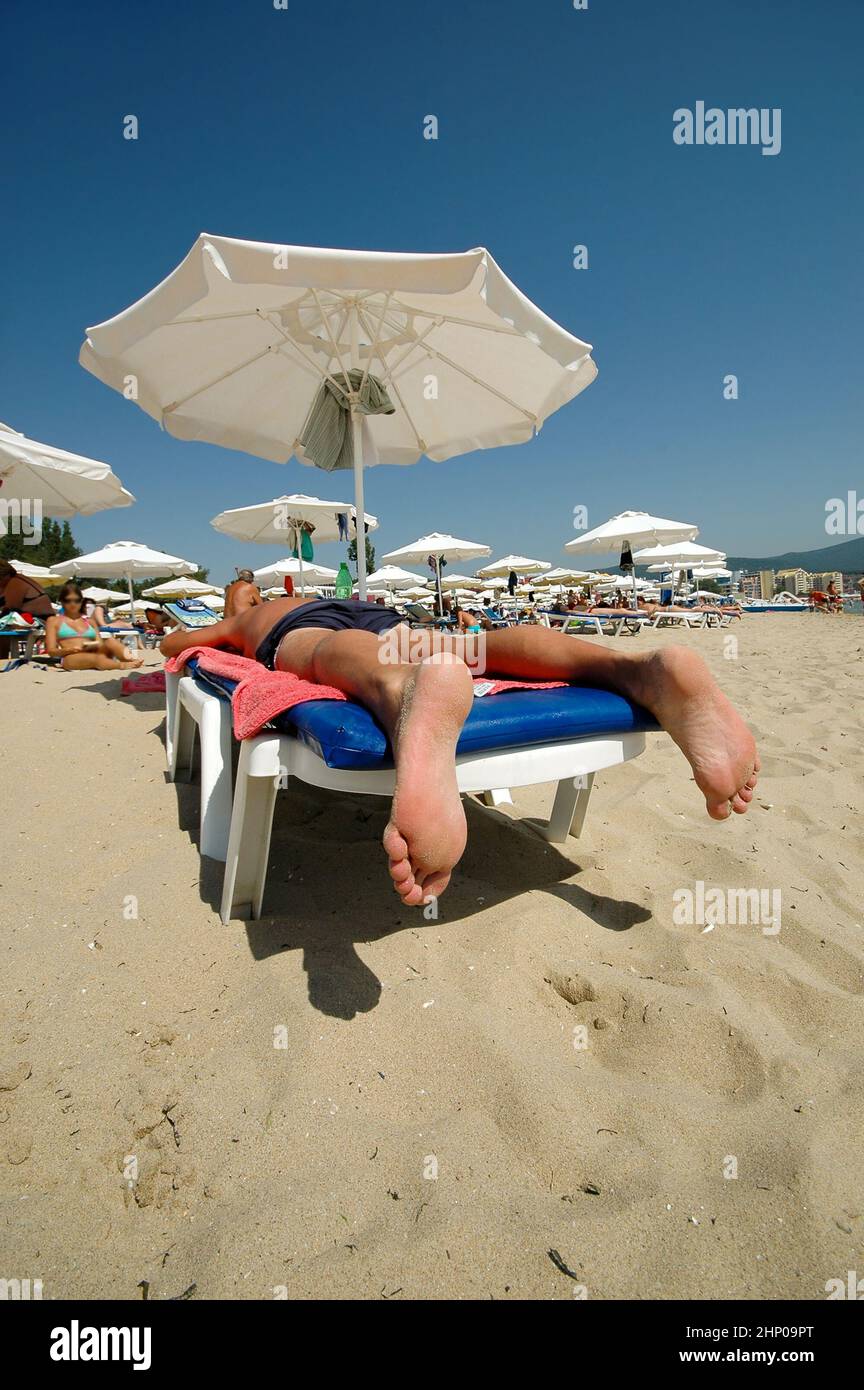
x: 65, y: 631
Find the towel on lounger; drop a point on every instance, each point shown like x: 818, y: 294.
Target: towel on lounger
x: 261, y: 695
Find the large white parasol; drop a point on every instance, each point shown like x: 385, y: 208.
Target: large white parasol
x: 686, y: 553
x: 392, y: 577
x: 520, y: 564
x: 273, y: 574
x: 125, y: 560
x: 236, y: 344
x: 627, y: 532
x: 97, y: 595
x: 46, y: 577
x: 64, y: 484
x: 268, y: 523
x: 438, y: 546
x: 679, y: 556
x: 181, y: 588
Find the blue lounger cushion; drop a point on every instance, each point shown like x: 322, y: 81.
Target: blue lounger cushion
x: 346, y: 736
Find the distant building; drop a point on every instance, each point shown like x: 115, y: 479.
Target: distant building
x: 796, y: 581
x: 821, y: 581
x: 766, y: 583
x: 750, y: 586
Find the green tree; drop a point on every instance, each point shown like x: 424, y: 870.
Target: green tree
x: 57, y: 543
x: 370, y: 556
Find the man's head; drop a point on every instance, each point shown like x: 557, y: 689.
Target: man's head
x: 247, y: 576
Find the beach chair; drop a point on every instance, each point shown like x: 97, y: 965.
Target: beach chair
x: 495, y: 618
x: 514, y: 739
x: 678, y: 617
x: 191, y: 613
x: 573, y: 623
x: 617, y: 622
x: 424, y: 617
x: 24, y: 637
x: 190, y: 709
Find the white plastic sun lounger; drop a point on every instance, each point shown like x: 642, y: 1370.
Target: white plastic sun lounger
x: 679, y: 619
x: 238, y: 831
x: 603, y: 624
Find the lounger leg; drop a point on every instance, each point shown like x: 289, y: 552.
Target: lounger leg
x: 497, y: 796
x: 172, y: 700
x: 182, y: 749
x: 248, y: 842
x: 569, y: 809
x: 215, y: 736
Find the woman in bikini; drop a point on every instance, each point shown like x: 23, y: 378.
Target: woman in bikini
x: 76, y: 639
x: 423, y: 698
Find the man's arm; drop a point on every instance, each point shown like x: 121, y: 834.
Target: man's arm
x: 221, y: 634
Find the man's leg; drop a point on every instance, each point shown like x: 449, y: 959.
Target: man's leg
x: 673, y: 683
x: 422, y: 707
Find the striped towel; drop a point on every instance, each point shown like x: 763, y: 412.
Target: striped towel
x: 327, y: 439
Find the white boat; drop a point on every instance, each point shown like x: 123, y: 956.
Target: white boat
x: 781, y: 603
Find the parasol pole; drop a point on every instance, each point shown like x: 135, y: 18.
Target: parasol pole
x: 357, y: 433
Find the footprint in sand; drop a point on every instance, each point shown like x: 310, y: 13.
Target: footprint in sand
x: 666, y: 1035
x: 156, y: 1164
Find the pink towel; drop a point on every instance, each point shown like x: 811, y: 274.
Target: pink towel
x: 261, y: 695
x: 150, y: 682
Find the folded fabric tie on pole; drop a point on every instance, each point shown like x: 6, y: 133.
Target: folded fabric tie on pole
x: 327, y: 438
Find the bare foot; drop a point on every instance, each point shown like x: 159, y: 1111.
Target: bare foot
x: 132, y: 664
x: 677, y: 687
x: 426, y: 833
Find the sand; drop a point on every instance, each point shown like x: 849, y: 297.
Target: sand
x: 346, y: 1101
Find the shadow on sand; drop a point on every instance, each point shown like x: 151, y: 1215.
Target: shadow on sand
x: 326, y: 856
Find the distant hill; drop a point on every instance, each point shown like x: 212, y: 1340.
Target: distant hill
x: 847, y: 556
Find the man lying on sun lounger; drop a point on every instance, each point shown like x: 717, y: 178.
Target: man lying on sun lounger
x: 423, y: 702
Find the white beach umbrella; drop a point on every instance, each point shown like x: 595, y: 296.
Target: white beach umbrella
x: 180, y: 588
x: 268, y: 523
x: 520, y: 564
x: 632, y: 582
x: 125, y: 560
x: 278, y: 591
x: 236, y: 344
x: 97, y: 595
x: 272, y: 574
x: 46, y: 577
x: 65, y: 484
x: 679, y: 553
x: 679, y: 556
x: 390, y: 577
x: 711, y: 572
x: 138, y: 608
x: 457, y: 581
x: 627, y: 532
x: 420, y: 592
x: 563, y: 575
x: 437, y: 546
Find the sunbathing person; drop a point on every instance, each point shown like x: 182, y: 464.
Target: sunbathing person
x: 243, y: 593
x: 76, y: 639
x: 423, y: 701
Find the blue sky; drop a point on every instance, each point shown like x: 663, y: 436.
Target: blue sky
x: 305, y: 126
